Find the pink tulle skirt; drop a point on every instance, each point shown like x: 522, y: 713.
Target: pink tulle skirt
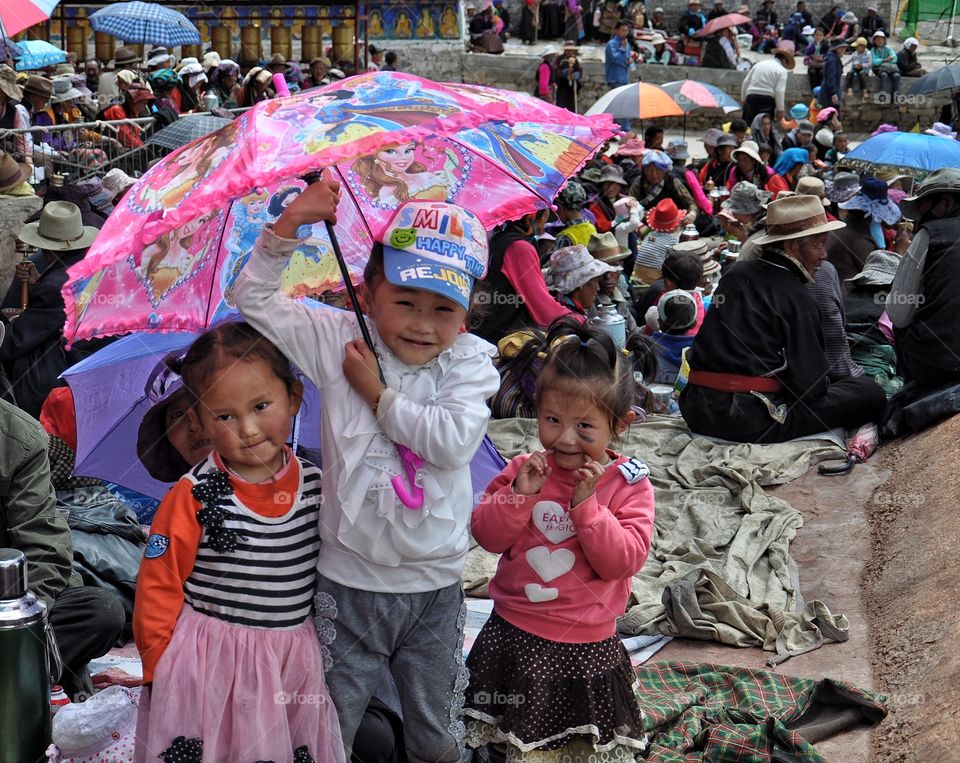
x: 250, y: 694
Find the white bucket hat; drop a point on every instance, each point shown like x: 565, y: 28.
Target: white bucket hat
x: 572, y: 266
x: 102, y: 728
x: 59, y: 229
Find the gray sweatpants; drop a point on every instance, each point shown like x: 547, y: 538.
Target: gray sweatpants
x: 419, y: 638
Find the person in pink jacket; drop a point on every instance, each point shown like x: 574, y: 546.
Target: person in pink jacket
x: 573, y: 525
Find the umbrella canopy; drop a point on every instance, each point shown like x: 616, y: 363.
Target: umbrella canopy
x: 17, y: 15
x: 947, y: 78
x: 145, y: 23
x: 9, y: 48
x: 169, y: 253
x: 36, y: 54
x: 639, y: 100
x: 186, y: 130
x: 691, y: 95
x: 907, y: 153
x: 723, y: 22
x: 110, y: 402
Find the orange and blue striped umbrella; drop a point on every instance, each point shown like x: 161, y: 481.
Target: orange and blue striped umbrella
x: 639, y: 100
x: 691, y: 95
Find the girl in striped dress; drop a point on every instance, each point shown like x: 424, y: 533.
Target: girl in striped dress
x: 232, y: 668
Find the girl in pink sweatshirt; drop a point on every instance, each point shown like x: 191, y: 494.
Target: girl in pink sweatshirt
x: 548, y: 673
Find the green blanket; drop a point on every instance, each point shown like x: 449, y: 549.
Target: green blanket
x: 704, y: 712
x: 720, y: 566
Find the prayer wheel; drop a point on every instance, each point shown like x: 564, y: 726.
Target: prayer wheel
x: 343, y: 41
x: 221, y: 39
x: 281, y: 40
x: 312, y: 42
x: 191, y: 50
x: 250, y: 44
x: 103, y: 46
x: 77, y: 41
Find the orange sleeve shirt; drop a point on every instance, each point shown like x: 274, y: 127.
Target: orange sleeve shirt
x: 172, y: 551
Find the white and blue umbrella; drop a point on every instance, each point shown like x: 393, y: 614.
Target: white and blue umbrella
x: 145, y: 23
x: 36, y: 54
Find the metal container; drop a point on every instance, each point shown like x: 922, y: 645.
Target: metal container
x: 26, y: 649
x: 689, y: 233
x: 608, y: 319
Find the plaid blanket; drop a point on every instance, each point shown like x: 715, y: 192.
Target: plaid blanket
x: 704, y: 712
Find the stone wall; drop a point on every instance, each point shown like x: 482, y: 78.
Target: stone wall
x: 516, y: 72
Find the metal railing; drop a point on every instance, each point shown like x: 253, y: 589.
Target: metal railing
x: 85, y: 149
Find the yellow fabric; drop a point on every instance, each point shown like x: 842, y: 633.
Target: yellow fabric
x: 511, y: 344
x: 24, y: 189
x: 579, y: 233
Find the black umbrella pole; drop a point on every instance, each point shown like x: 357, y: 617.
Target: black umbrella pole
x: 310, y: 179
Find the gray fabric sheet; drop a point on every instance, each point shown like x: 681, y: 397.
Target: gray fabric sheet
x: 720, y: 567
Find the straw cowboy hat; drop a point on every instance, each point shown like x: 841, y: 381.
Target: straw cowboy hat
x: 37, y: 85
x: 812, y: 186
x: 604, y: 247
x: 796, y: 217
x: 787, y: 55
x: 124, y: 56
x: 8, y: 83
x: 59, y: 229
x: 12, y: 173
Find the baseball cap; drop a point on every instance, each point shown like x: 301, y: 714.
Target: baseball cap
x: 437, y: 247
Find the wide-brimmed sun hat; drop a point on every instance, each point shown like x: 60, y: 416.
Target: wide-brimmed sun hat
x: 604, y: 247
x: 8, y: 83
x: 12, y: 173
x: 786, y: 51
x: 59, y: 229
x: 125, y: 56
x: 745, y: 199
x: 941, y: 130
x: 63, y: 90
x: 677, y: 149
x: 657, y: 39
x: 796, y: 217
x: 946, y: 180
x: 37, y: 85
x: 842, y: 186
x: 879, y: 269
x: 665, y: 217
x: 573, y: 266
x: 874, y: 200
x: 749, y: 148
x: 612, y: 174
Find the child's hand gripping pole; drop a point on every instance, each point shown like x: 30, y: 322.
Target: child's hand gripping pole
x: 410, y: 462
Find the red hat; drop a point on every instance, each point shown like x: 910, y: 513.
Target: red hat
x: 665, y: 217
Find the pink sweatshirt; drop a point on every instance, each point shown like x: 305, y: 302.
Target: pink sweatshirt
x: 521, y: 266
x: 564, y: 574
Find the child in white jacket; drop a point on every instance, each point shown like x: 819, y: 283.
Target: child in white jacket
x: 389, y: 584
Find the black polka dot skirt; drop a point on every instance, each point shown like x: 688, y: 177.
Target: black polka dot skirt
x: 537, y: 695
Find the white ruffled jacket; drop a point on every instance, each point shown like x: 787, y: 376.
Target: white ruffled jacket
x: 370, y: 540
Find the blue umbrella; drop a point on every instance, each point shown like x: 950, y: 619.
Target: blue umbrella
x: 110, y: 402
x: 145, y: 22
x: 36, y: 54
x: 908, y: 153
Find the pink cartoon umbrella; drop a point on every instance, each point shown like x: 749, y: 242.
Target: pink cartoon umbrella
x: 166, y: 258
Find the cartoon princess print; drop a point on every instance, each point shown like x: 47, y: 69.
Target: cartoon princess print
x: 394, y: 175
x: 172, y: 258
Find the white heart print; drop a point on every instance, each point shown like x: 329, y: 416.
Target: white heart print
x: 550, y: 519
x: 537, y: 593
x: 550, y: 564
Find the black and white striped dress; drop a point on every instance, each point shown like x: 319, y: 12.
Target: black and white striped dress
x: 270, y: 579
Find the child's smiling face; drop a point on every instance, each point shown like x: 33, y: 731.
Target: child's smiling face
x: 415, y: 324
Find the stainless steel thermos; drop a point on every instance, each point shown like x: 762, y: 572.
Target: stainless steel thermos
x: 608, y: 319
x: 26, y: 650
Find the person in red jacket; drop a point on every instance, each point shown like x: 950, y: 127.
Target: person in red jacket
x: 573, y: 525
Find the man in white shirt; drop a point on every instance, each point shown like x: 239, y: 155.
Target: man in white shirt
x: 765, y: 86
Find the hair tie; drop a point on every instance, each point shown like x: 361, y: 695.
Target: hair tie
x: 585, y: 343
